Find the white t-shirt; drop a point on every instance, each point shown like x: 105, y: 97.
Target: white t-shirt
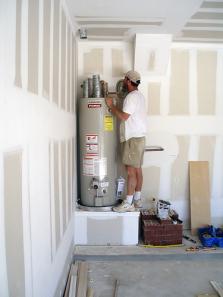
x: 136, y: 125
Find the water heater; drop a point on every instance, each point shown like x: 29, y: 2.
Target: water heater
x: 97, y: 153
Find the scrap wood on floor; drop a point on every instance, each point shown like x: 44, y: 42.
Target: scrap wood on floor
x: 218, y: 286
x: 77, y: 282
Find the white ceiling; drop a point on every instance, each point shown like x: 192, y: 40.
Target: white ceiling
x: 187, y: 20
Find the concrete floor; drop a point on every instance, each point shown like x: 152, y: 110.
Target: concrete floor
x: 151, y: 272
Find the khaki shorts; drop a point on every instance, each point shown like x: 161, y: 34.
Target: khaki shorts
x: 133, y: 151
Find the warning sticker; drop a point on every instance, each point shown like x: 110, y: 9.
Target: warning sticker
x: 94, y: 105
x: 91, y: 139
x: 108, y: 123
x: 92, y: 148
x: 88, y: 166
x: 93, y: 166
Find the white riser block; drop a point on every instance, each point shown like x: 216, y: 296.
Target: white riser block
x: 106, y: 228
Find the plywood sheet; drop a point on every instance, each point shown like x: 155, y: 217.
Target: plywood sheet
x: 179, y: 82
x: 206, y: 81
x: 199, y: 194
x: 154, y: 98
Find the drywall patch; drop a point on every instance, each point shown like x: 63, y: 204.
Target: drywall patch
x: 179, y: 82
x: 33, y: 45
x: 73, y: 75
x: 69, y: 175
x: 56, y: 193
x: 117, y: 62
x: 46, y: 48
x: 154, y: 98
x: 151, y: 183
x: 63, y: 59
x: 18, y: 79
x: 56, y: 52
x: 99, y: 230
x: 180, y: 180
x: 206, y: 81
x: 68, y: 68
x: 14, y: 245
x: 64, y: 186
x: 206, y: 152
x: 93, y: 62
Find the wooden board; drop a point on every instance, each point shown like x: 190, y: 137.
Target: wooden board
x: 218, y: 287
x: 199, y: 195
x: 82, y: 279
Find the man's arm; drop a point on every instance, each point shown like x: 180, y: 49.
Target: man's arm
x: 121, y: 115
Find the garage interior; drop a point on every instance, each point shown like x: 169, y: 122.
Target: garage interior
x: 48, y: 48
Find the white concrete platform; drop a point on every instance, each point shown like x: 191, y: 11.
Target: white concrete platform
x: 106, y: 228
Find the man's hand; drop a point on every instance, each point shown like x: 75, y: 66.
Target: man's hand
x: 109, y: 102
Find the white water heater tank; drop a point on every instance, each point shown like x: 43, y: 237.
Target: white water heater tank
x: 97, y: 153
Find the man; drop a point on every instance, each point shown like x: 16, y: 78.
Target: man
x: 132, y: 136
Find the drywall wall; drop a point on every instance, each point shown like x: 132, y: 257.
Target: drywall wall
x: 37, y: 140
x: 185, y: 114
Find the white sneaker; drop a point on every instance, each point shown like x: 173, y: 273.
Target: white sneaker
x: 137, y: 203
x: 124, y: 207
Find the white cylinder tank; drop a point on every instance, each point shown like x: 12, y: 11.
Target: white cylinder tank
x: 97, y: 153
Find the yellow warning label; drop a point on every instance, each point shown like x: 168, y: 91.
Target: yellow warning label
x: 108, y: 123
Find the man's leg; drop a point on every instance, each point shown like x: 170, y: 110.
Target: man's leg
x: 131, y: 180
x: 137, y: 195
x: 139, y: 179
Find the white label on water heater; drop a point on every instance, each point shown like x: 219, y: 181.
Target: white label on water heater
x: 100, y: 167
x: 88, y: 166
x: 91, y: 138
x: 92, y: 148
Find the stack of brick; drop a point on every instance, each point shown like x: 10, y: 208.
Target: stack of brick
x: 160, y: 232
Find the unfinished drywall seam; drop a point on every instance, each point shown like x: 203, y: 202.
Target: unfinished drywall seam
x: 193, y: 82
x: 219, y: 85
x: 63, y: 61
x: 52, y: 200
x: 179, y: 82
x: 164, y: 96
x: 56, y: 53
x: 60, y: 182
x: 24, y: 44
x: 51, y: 52
x: 57, y: 204
x: 33, y: 45
x: 18, y: 79
x: 217, y: 184
x: 14, y: 223
x: 69, y: 173
x: 180, y: 170
x: 154, y: 98
x: 73, y: 81
x: 206, y: 81
x: 3, y: 268
x: 193, y: 154
x: 46, y: 48
x: 40, y: 49
x: 68, y: 67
